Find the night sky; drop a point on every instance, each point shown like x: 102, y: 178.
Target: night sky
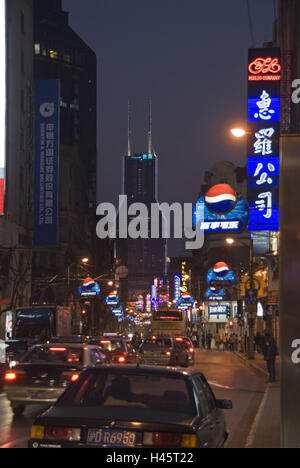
x: 189, y: 56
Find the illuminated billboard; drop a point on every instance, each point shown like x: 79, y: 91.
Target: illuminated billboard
x: 221, y: 210
x: 264, y: 74
x: 2, y: 103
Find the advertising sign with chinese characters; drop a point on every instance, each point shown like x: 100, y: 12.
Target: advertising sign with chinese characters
x: 264, y: 71
x: 47, y: 109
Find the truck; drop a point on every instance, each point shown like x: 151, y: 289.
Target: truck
x: 167, y: 321
x: 38, y: 324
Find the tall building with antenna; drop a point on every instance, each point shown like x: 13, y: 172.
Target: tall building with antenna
x: 145, y: 258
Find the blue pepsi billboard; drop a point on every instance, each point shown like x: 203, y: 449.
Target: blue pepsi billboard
x: 89, y: 288
x: 47, y: 112
x: 221, y: 210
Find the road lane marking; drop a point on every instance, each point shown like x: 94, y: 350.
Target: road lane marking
x: 252, y: 433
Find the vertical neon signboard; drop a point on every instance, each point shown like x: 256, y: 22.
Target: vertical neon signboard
x: 2, y: 103
x: 264, y: 74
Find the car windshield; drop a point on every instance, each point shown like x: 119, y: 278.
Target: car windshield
x: 159, y: 343
x: 146, y: 391
x: 112, y: 345
x: 54, y: 355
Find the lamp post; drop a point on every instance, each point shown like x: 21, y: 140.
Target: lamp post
x: 251, y: 313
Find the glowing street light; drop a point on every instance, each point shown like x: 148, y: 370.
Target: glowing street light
x: 85, y: 260
x: 238, y: 132
x: 230, y: 241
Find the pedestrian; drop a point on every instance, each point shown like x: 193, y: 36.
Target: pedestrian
x: 203, y: 340
x: 209, y: 339
x: 217, y: 339
x: 197, y: 340
x: 270, y: 353
x: 194, y: 339
x: 231, y: 342
x: 226, y: 342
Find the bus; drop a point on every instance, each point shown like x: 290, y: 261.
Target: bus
x: 167, y: 321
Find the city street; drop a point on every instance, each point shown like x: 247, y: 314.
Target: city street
x: 229, y: 376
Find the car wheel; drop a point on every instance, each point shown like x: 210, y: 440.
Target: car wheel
x: 18, y: 410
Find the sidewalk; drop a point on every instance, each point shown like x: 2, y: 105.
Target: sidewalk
x: 265, y: 431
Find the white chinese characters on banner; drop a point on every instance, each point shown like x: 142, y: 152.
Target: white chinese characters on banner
x: 266, y: 175
x: 263, y: 144
x: 264, y: 203
x: 265, y: 113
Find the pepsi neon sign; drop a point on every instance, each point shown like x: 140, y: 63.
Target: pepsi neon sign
x: 223, y: 210
x: 220, y: 272
x: 89, y: 288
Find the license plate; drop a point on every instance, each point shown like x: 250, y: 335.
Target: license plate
x: 111, y: 438
x: 39, y: 395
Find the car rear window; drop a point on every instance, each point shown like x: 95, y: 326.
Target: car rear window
x: 145, y: 391
x: 112, y: 345
x: 66, y: 355
x: 159, y: 343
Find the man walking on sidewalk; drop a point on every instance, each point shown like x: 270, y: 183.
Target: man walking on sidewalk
x: 270, y: 353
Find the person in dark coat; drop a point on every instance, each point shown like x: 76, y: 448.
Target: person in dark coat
x: 270, y: 353
x: 209, y: 339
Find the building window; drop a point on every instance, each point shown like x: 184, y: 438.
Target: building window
x: 53, y: 54
x: 22, y: 140
x: 67, y: 58
x: 22, y: 62
x: 22, y: 23
x: 22, y: 100
x: 37, y: 49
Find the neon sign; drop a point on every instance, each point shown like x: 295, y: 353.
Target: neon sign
x: 265, y: 69
x: 263, y: 139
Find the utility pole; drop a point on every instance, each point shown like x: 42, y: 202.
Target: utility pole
x: 251, y: 312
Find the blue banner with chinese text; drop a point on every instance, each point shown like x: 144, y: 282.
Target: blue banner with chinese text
x: 47, y: 107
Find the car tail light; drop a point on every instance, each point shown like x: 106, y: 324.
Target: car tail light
x: 58, y: 350
x: 167, y: 353
x: 69, y: 376
x: 10, y: 376
x: 105, y: 342
x: 163, y: 439
x: 62, y: 434
x: 191, y: 350
x: 15, y: 376
x: 179, y: 339
x: 121, y: 359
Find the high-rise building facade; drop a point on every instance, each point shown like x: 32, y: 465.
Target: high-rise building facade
x: 60, y: 54
x: 17, y: 152
x: 145, y: 258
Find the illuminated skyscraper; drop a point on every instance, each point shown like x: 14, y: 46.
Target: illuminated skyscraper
x: 145, y: 258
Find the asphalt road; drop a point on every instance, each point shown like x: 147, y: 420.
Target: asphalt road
x: 230, y: 377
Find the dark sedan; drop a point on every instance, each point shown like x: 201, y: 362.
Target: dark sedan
x: 45, y: 372
x: 132, y: 406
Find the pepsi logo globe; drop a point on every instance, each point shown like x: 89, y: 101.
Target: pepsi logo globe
x: 220, y: 199
x: 221, y: 269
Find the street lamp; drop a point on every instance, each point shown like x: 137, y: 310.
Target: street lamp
x: 251, y: 321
